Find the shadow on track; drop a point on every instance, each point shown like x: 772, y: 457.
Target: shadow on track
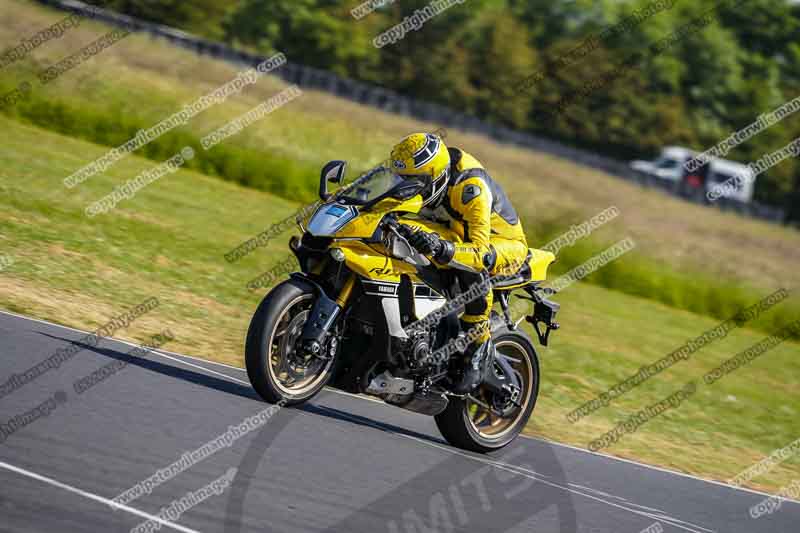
x: 191, y: 376
x: 359, y: 420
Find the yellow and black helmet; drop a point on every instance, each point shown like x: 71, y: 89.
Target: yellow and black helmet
x: 423, y: 156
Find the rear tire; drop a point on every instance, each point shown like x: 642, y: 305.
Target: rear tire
x: 457, y: 422
x: 282, y: 307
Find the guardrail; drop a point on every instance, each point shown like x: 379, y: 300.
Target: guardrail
x: 387, y: 100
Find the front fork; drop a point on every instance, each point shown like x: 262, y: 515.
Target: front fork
x: 323, y: 314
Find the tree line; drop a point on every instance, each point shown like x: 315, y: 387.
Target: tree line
x: 623, y: 78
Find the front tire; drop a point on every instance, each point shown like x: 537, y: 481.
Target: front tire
x: 467, y: 425
x: 270, y: 358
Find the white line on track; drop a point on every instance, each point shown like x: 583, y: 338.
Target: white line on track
x: 646, y: 508
x: 665, y: 518
x: 95, y: 497
x: 226, y: 376
x: 657, y: 468
x: 198, y: 359
x: 365, y: 398
x: 601, y: 493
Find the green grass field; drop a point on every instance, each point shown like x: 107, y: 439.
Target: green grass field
x: 168, y: 242
x: 692, y: 265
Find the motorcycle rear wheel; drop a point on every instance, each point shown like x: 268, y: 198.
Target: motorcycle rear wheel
x: 272, y: 364
x: 467, y: 425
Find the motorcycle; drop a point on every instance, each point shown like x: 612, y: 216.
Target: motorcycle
x: 368, y: 314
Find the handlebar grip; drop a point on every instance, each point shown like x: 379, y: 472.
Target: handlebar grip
x: 404, y: 230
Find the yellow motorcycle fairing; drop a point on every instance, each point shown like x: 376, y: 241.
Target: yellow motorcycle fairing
x: 372, y: 261
x: 538, y: 262
x: 365, y: 223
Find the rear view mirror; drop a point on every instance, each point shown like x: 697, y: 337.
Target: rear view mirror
x: 332, y: 172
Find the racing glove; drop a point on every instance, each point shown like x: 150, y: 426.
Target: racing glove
x: 427, y: 243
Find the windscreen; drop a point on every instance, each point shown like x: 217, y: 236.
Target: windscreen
x: 379, y: 183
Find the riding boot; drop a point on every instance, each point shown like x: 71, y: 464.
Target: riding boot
x: 477, y: 358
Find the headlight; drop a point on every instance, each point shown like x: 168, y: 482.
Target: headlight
x: 337, y: 255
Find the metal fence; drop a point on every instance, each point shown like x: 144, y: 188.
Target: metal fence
x: 387, y: 100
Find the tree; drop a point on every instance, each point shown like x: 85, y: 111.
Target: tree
x: 320, y: 33
x: 501, y: 57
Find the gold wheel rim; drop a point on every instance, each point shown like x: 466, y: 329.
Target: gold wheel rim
x: 486, y: 423
x: 278, y: 345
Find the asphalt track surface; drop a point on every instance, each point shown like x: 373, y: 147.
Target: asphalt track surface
x: 338, y: 463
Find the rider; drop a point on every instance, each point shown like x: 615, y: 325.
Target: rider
x: 461, y: 193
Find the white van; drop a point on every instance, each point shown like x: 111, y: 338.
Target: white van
x: 722, y: 170
x: 669, y: 166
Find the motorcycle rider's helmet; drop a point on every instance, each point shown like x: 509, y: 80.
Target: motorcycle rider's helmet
x: 423, y: 156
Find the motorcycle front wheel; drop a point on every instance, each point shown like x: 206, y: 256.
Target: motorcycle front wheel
x: 276, y: 368
x: 469, y: 425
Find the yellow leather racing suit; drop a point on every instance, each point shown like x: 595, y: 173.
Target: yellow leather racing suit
x: 478, y: 210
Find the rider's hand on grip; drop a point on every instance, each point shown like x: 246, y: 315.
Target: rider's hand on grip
x: 426, y: 243
x: 405, y: 230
